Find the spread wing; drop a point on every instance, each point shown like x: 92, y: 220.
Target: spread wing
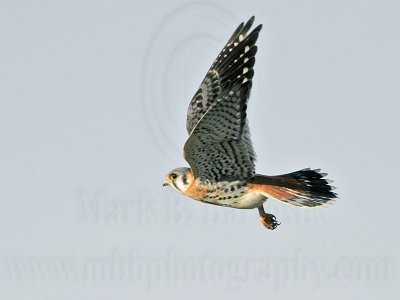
x: 230, y: 63
x: 219, y: 144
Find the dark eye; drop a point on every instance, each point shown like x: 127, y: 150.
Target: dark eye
x: 173, y: 176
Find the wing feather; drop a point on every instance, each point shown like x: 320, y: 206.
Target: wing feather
x: 230, y: 63
x: 216, y: 148
x: 219, y: 144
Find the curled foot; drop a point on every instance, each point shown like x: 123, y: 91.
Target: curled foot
x: 269, y: 221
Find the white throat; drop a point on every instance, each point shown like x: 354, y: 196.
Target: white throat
x: 180, y: 186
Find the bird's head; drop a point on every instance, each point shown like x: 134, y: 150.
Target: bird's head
x: 179, y: 179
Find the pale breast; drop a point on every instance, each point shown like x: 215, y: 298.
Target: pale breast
x: 234, y: 194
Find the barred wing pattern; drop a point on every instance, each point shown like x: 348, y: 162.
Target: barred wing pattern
x: 235, y: 60
x: 215, y: 150
x: 219, y: 144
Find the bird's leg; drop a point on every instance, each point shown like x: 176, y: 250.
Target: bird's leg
x: 267, y: 220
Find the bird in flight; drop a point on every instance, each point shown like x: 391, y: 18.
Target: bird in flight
x: 219, y: 149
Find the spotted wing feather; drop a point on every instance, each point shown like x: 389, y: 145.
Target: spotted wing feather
x: 234, y: 63
x: 211, y: 85
x: 216, y: 149
x: 217, y: 146
x: 207, y: 93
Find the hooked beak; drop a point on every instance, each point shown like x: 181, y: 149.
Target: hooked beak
x: 166, y: 182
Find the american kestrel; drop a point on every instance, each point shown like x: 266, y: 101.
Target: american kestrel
x: 219, y: 149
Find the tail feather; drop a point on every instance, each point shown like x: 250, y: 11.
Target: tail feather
x: 305, y: 188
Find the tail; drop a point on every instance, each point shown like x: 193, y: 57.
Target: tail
x: 304, y: 188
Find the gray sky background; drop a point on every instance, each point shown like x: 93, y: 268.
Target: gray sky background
x: 93, y: 97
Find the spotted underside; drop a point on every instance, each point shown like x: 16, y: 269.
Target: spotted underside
x: 235, y: 194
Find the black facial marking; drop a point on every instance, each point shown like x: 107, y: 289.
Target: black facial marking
x: 184, y: 178
x: 174, y: 184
